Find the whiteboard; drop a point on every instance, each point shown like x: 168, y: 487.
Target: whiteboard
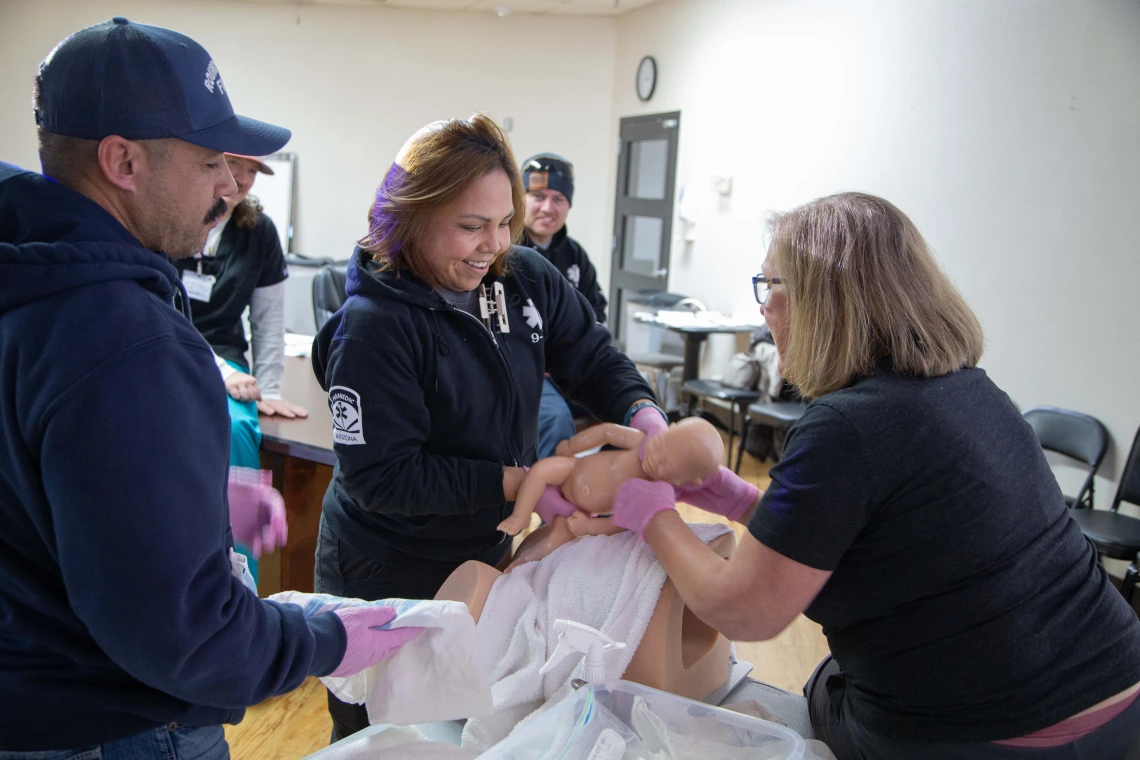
x: 275, y: 194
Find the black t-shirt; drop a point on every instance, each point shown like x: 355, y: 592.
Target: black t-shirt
x: 246, y: 259
x: 965, y: 604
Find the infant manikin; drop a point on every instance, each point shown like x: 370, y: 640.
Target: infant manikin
x: 685, y: 453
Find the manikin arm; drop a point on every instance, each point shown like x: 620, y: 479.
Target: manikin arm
x: 553, y: 471
x: 599, y: 435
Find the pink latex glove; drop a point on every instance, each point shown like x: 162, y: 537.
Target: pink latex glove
x: 257, y: 511
x: 551, y: 504
x: 366, y: 644
x: 722, y: 493
x: 638, y: 501
x: 649, y: 420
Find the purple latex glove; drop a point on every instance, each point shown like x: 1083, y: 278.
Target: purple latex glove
x: 638, y: 501
x: 722, y: 493
x: 551, y: 504
x: 257, y: 511
x: 651, y: 421
x: 367, y: 645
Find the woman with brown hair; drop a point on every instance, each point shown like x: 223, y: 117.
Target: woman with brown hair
x: 913, y: 515
x: 243, y: 267
x: 434, y: 369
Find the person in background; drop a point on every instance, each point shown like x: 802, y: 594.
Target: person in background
x: 128, y: 632
x: 549, y: 183
x: 242, y: 267
x: 434, y: 370
x: 913, y: 515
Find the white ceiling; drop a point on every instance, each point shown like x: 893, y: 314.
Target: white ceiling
x: 554, y: 7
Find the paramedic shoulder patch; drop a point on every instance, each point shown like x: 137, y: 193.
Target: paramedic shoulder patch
x: 348, y: 427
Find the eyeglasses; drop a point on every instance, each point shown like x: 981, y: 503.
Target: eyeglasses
x: 762, y: 287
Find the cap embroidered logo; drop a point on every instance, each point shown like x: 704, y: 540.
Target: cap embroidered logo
x: 212, y: 76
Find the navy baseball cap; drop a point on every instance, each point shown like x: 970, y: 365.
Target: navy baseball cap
x: 144, y: 83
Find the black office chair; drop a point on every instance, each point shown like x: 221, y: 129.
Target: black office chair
x: 777, y: 414
x: 1078, y: 436
x: 328, y: 292
x: 1114, y: 535
x: 736, y: 398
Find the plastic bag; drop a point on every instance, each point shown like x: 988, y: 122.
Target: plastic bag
x: 619, y: 720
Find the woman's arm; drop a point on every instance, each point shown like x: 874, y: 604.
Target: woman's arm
x: 821, y: 497
x: 752, y: 597
x: 267, y: 328
x: 267, y: 323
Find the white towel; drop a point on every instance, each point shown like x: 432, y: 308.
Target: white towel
x: 611, y: 583
x: 438, y: 675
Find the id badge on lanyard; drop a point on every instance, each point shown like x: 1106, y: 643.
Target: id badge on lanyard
x: 198, y: 286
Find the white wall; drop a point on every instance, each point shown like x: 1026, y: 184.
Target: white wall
x: 354, y: 82
x: 1009, y: 130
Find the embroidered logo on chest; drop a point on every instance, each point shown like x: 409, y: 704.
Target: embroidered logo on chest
x: 531, y: 315
x: 533, y: 320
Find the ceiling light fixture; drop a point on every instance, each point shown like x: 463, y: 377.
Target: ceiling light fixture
x: 502, y: 11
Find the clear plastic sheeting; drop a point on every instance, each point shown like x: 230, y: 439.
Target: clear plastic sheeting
x: 619, y: 720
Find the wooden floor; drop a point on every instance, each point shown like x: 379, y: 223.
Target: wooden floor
x: 297, y: 724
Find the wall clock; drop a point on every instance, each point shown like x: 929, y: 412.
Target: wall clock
x: 646, y: 77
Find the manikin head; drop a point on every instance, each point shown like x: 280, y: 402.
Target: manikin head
x: 685, y: 453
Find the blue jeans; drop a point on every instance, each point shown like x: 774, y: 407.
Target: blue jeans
x: 245, y: 445
x: 555, y: 421
x: 171, y: 742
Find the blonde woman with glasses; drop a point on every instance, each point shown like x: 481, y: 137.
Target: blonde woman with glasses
x: 913, y: 516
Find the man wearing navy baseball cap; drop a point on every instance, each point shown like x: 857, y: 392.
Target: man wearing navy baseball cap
x: 127, y: 631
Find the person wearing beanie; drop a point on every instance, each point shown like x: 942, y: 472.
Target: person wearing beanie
x: 549, y: 183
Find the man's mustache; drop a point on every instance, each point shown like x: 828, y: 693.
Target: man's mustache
x: 217, y: 211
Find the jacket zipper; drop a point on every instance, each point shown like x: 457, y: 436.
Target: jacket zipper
x: 506, y: 368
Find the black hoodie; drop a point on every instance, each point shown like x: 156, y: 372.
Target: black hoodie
x: 429, y: 405
x: 570, y: 258
x: 118, y: 610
